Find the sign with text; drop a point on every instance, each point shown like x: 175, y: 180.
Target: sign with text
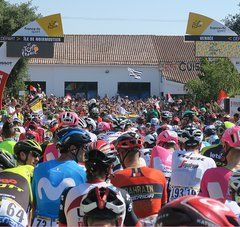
x: 30, y: 49
x: 31, y: 39
x: 212, y: 38
x: 218, y: 49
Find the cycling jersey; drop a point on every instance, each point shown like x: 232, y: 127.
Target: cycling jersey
x: 146, y: 186
x: 8, y: 145
x: 161, y: 159
x: 51, y: 152
x: 49, y: 180
x: 215, y: 183
x: 71, y: 198
x: 15, y: 195
x: 187, y: 171
x: 216, y: 152
x: 234, y: 208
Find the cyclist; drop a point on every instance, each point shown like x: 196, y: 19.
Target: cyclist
x: 196, y: 211
x: 215, y: 181
x: 188, y: 165
x: 52, y: 177
x: 103, y: 206
x: 149, y: 143
x: 99, y: 160
x: 146, y: 186
x: 15, y: 184
x: 234, y: 190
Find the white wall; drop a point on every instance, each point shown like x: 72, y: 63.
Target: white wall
x: 56, y: 75
x: 172, y: 87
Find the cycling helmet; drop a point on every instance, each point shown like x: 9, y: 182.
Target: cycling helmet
x: 150, y: 139
x: 6, y: 160
x: 68, y: 119
x: 196, y: 211
x: 154, y: 121
x: 92, y: 101
x: 232, y: 136
x: 191, y: 136
x: 100, y: 152
x: 129, y: 140
x: 53, y: 126
x: 27, y: 146
x: 176, y: 121
x: 167, y: 136
x: 166, y: 115
x: 105, y: 203
x: 82, y: 123
x: 91, y: 122
x: 234, y: 185
x: 72, y: 136
x: 94, y: 112
x: 209, y: 130
x: 103, y: 126
x: 125, y: 122
x: 188, y: 113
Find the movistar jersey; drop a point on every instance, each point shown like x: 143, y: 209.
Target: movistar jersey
x: 49, y: 180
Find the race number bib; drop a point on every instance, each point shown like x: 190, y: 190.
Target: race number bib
x: 12, y: 211
x: 177, y: 192
x: 44, y: 221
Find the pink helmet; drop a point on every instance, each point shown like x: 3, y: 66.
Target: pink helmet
x: 103, y: 126
x: 68, y: 119
x: 167, y: 136
x: 232, y: 136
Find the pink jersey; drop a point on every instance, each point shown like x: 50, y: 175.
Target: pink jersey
x: 161, y: 159
x: 51, y: 152
x: 215, y: 182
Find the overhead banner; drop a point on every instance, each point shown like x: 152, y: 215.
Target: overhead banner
x: 201, y: 25
x: 45, y: 26
x: 218, y: 49
x: 30, y: 49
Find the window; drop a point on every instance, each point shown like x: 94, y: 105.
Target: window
x: 81, y: 89
x: 134, y: 90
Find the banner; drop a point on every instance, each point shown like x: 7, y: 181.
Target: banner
x: 45, y: 26
x: 201, y: 25
x: 30, y: 49
x: 218, y: 49
x: 134, y: 73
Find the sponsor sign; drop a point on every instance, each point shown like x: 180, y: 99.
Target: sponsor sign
x: 31, y: 39
x: 212, y: 38
x: 30, y: 49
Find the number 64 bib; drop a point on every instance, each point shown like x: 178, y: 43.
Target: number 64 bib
x: 12, y: 212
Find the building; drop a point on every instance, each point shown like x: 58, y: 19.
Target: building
x: 93, y: 65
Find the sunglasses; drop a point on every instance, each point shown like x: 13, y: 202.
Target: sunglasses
x: 35, y: 154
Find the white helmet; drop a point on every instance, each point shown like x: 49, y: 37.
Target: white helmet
x: 154, y: 121
x: 92, y: 101
x: 82, y: 123
x: 91, y: 122
x: 234, y: 181
x: 150, y: 139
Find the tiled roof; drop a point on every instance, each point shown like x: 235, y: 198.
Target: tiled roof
x: 148, y: 50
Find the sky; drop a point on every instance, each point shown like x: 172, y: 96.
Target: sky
x: 133, y: 17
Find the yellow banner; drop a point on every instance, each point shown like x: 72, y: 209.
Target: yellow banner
x: 52, y: 25
x: 218, y: 49
x: 197, y: 24
x: 37, y: 107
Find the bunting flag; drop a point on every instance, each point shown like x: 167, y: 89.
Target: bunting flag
x: 32, y: 88
x: 221, y: 96
x: 136, y: 74
x: 169, y: 98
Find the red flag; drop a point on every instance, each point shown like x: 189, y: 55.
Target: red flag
x: 221, y: 96
x: 31, y: 88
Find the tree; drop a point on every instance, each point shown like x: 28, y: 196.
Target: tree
x: 233, y: 22
x: 12, y: 18
x: 215, y: 75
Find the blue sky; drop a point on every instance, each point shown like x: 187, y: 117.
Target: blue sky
x: 156, y: 17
